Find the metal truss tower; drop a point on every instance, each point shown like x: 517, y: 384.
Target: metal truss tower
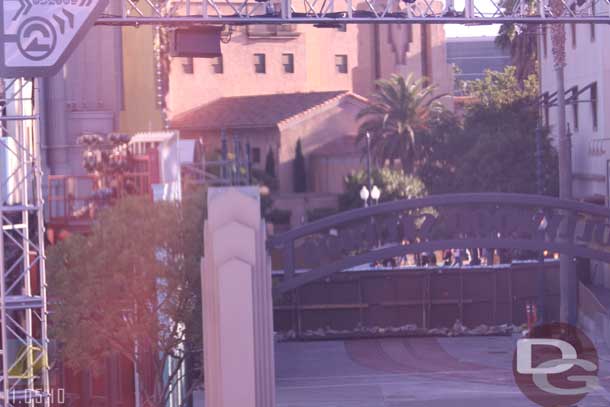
x: 24, y: 379
x: 328, y: 12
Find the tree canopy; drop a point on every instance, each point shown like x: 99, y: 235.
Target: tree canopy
x: 493, y: 148
x: 134, y: 279
x: 393, y: 184
x: 299, y: 173
x: 499, y: 89
x: 521, y: 40
x: 398, y: 113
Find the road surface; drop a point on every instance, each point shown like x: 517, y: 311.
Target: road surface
x: 409, y: 372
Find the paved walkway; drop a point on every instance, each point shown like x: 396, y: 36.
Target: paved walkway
x: 415, y: 372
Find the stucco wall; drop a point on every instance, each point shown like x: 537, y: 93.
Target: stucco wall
x: 314, y: 52
x: 588, y: 61
x: 315, y: 130
x: 84, y: 96
x: 300, y: 204
x: 263, y: 139
x: 141, y: 112
x: 327, y: 173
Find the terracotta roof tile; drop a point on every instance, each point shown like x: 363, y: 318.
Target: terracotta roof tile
x: 250, y: 111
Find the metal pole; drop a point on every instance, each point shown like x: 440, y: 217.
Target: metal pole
x: 249, y: 161
x: 237, y: 153
x: 567, y: 269
x: 540, y: 189
x: 3, y: 311
x: 368, y: 166
x: 224, y: 152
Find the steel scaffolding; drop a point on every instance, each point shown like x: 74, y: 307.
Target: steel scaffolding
x: 24, y: 343
x: 329, y: 12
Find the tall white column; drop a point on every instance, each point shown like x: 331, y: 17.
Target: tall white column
x: 237, y: 302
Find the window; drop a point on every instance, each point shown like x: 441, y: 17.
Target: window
x: 593, y: 96
x: 341, y: 63
x: 217, y: 65
x: 574, y: 99
x: 544, y: 41
x: 256, y: 155
x: 573, y: 29
x: 592, y: 26
x: 259, y: 63
x: 547, y: 109
x: 288, y: 62
x: 188, y: 66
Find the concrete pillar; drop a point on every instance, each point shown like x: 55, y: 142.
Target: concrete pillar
x: 237, y: 302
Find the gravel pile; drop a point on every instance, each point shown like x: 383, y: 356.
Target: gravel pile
x: 458, y: 329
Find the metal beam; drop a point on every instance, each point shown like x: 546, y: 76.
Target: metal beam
x: 477, y: 12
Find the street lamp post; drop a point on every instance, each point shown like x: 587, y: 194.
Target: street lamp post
x: 540, y: 190
x: 375, y: 194
x: 368, y: 163
x: 364, y: 195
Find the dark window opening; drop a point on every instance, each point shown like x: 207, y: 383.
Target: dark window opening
x: 188, y: 66
x: 547, y: 109
x: 592, y: 26
x: 545, y: 48
x: 341, y: 63
x: 256, y: 155
x: 573, y: 29
x: 574, y: 98
x: 593, y: 95
x: 288, y: 62
x: 260, y: 63
x: 217, y: 65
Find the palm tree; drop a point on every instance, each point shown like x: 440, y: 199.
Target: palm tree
x: 521, y: 40
x: 399, y: 110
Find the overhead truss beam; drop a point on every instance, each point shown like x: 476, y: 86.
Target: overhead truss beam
x: 329, y: 12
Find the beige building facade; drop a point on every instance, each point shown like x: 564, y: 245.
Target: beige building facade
x: 587, y: 94
x: 269, y: 59
x: 276, y: 123
x: 333, y: 67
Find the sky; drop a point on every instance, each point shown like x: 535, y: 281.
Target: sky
x: 457, y: 30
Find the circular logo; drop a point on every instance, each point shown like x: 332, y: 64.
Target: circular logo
x: 36, y: 38
x: 556, y: 365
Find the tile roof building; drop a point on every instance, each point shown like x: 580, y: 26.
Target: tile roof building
x: 323, y: 121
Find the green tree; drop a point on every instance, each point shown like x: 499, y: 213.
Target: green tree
x: 298, y: 172
x: 270, y: 163
x: 496, y: 149
x: 499, y: 89
x: 442, y: 146
x: 502, y: 158
x: 398, y: 111
x: 134, y: 279
x: 394, y: 184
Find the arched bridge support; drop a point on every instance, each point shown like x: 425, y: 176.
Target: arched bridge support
x: 237, y: 302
